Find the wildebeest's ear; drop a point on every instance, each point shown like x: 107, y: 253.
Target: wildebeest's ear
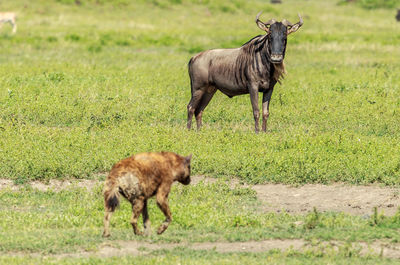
x: 293, y: 28
x: 188, y: 158
x: 262, y: 26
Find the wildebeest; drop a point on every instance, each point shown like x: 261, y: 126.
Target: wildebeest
x: 9, y: 17
x: 398, y: 15
x: 255, y: 67
x: 140, y: 177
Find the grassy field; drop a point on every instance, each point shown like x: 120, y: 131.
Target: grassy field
x: 82, y: 86
x: 52, y: 223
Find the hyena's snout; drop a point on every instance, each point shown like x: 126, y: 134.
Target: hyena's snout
x: 185, y: 181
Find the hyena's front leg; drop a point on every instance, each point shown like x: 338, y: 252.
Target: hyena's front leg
x: 162, y: 202
x: 146, y: 219
x: 137, y: 207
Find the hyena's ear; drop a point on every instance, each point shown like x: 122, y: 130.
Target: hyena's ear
x: 188, y: 158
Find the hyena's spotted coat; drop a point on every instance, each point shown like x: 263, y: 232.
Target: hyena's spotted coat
x: 140, y: 177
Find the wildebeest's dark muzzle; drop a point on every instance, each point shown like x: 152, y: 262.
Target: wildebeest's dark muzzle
x: 276, y: 58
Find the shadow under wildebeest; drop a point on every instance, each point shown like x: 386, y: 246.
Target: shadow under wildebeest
x: 255, y: 67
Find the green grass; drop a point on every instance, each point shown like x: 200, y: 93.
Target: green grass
x: 184, y: 256
x: 374, y: 4
x: 71, y: 220
x: 82, y: 87
x: 85, y: 85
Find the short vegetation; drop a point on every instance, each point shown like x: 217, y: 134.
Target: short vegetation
x: 85, y: 83
x: 374, y: 4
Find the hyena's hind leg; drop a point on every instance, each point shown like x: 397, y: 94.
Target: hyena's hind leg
x: 146, y: 219
x: 107, y: 217
x: 111, y: 202
x: 137, y: 208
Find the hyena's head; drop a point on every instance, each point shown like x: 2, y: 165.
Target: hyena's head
x: 183, y: 171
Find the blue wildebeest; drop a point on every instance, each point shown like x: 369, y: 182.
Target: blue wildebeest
x: 255, y: 67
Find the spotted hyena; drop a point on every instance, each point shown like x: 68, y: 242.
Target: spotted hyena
x: 140, y: 177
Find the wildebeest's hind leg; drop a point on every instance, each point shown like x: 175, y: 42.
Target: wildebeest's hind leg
x: 137, y: 207
x: 191, y: 107
x: 203, y: 104
x: 146, y: 219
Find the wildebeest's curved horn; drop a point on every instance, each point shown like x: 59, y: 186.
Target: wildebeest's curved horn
x: 270, y: 22
x: 286, y: 23
x: 262, y: 25
x: 300, y: 20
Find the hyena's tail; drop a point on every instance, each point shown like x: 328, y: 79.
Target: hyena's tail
x: 111, y: 195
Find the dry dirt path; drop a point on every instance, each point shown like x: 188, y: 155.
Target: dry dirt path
x: 134, y: 248
x: 356, y: 200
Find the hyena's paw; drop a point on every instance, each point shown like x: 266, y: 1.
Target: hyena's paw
x: 106, y: 234
x: 162, y: 228
x: 138, y: 233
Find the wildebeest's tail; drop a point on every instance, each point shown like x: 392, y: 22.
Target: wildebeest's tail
x: 111, y: 195
x: 190, y: 74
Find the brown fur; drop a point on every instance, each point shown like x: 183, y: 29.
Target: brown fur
x: 140, y: 177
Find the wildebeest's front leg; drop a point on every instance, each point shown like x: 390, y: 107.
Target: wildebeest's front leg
x: 265, y: 107
x: 254, y: 103
x: 162, y: 202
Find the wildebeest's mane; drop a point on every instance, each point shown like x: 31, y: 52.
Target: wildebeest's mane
x: 256, y: 43
x: 259, y: 44
x: 256, y: 37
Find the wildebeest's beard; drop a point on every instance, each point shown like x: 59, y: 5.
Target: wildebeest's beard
x: 277, y: 39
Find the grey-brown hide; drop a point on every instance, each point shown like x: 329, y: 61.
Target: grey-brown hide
x: 249, y: 69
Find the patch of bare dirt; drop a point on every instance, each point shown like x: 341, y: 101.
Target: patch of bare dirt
x: 356, y: 200
x: 54, y: 184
